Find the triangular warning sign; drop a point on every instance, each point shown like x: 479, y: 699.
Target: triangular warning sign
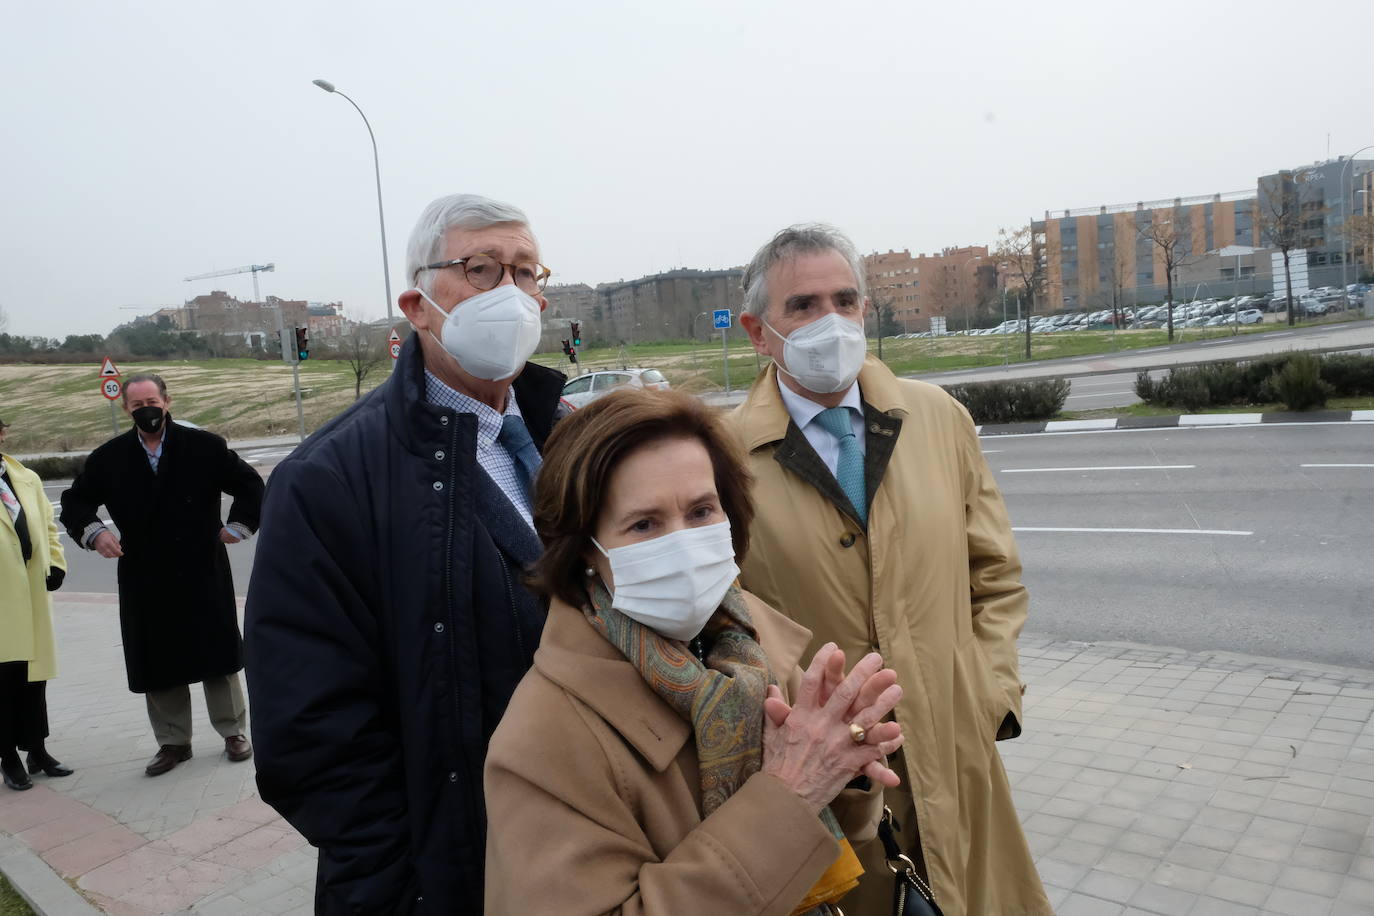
x: 108, y: 369
x: 394, y: 338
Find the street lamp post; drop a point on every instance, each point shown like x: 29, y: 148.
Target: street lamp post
x: 1345, y: 216
x: 327, y: 86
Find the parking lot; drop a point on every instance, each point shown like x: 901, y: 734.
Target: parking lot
x: 1239, y: 311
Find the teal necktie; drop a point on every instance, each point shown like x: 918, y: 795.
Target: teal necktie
x: 515, y: 436
x: 849, y: 471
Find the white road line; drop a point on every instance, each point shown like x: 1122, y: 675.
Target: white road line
x: 1336, y: 465
x: 1216, y: 531
x: 992, y: 451
x: 1126, y: 467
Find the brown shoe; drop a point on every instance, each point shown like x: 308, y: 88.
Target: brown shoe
x: 167, y: 757
x: 238, y: 748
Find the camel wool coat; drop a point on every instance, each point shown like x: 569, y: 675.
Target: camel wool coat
x: 25, y: 604
x: 933, y: 583
x: 594, y: 796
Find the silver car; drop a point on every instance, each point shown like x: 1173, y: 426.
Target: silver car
x: 581, y: 391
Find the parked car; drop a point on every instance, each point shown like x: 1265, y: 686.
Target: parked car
x: 1250, y: 316
x: 581, y: 391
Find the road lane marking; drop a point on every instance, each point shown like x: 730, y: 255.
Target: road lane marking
x: 1336, y: 465
x: 1214, y: 531
x: 1125, y: 467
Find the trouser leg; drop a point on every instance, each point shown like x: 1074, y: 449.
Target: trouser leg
x: 169, y: 711
x: 224, y: 700
x: 33, y: 716
x: 13, y: 680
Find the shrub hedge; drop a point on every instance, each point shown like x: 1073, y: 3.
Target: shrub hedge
x: 1300, y: 381
x: 64, y: 468
x: 1012, y: 402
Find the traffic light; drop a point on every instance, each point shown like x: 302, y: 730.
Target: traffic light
x: 577, y: 333
x: 302, y: 344
x: 572, y: 354
x: 567, y: 347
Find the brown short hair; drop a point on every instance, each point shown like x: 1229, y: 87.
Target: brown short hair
x: 587, y: 446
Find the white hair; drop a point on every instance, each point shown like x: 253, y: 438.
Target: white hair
x: 803, y: 238
x: 460, y: 211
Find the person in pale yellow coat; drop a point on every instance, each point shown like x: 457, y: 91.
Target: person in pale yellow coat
x: 31, y: 565
x: 880, y: 528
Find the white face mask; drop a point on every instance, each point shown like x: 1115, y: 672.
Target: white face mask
x: 824, y: 356
x: 673, y: 583
x: 493, y: 333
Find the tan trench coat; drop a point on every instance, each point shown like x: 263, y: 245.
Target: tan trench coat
x: 25, y: 605
x: 594, y: 797
x: 934, y: 585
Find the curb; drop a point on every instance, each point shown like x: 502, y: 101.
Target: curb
x: 42, y: 889
x: 1175, y: 421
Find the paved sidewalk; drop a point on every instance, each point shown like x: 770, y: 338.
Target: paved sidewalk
x: 1150, y: 781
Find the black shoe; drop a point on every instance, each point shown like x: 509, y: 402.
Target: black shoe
x: 15, y: 777
x: 48, y: 766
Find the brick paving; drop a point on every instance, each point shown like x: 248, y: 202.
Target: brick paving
x: 1150, y: 781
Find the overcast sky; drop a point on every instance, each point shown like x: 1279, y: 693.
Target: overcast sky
x: 147, y: 142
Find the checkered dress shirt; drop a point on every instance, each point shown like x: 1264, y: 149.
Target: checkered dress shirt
x: 491, y: 455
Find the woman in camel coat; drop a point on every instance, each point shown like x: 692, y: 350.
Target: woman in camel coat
x: 665, y: 755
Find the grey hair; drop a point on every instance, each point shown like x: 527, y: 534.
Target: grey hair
x: 803, y: 238
x: 144, y: 377
x: 456, y: 211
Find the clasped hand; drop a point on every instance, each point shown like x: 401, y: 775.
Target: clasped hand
x: 810, y: 746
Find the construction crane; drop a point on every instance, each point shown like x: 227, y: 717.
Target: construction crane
x: 254, y: 269
x: 288, y: 354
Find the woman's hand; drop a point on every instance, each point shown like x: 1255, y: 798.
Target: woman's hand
x: 809, y: 745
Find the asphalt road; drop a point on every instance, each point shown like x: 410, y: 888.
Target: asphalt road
x: 1243, y: 540
x: 1242, y: 547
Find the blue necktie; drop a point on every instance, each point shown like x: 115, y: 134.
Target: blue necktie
x: 849, y: 471
x: 516, y: 438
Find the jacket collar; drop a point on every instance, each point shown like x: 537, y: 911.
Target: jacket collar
x: 764, y: 417
x: 578, y: 659
x: 537, y: 388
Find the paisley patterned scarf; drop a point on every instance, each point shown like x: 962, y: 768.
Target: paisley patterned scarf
x: 722, y: 698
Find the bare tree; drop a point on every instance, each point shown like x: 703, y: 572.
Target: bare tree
x: 880, y: 298
x: 1281, y: 223
x: 1171, y: 233
x: 1023, y: 253
x: 364, y: 348
x: 1358, y: 229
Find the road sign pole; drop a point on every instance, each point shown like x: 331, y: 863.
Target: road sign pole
x: 725, y: 359
x: 114, y: 419
x: 296, y: 381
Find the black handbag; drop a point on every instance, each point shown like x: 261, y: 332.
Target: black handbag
x: 911, y: 896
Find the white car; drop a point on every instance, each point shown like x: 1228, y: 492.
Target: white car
x: 1250, y: 316
x: 581, y: 391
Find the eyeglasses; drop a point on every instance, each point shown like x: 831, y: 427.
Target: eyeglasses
x: 484, y: 272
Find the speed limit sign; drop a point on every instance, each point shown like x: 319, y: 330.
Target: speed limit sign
x: 395, y: 344
x: 110, y: 388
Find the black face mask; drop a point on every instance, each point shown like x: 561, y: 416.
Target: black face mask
x: 149, y: 419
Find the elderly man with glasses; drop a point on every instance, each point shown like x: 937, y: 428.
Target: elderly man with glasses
x: 387, y: 622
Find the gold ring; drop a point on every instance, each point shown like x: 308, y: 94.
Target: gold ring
x: 857, y: 733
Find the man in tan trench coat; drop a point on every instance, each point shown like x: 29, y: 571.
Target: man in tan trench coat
x: 880, y: 527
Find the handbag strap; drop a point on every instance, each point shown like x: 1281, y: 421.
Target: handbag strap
x: 899, y: 862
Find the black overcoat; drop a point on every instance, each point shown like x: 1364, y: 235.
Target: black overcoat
x: 176, y: 593
x: 387, y: 627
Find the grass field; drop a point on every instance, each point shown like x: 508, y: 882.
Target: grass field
x: 11, y: 904
x: 58, y: 408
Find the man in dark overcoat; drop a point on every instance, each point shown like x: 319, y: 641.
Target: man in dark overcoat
x: 387, y: 622
x: 162, y: 483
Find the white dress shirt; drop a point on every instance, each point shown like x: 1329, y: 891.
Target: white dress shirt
x: 803, y: 412
x: 491, y: 454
